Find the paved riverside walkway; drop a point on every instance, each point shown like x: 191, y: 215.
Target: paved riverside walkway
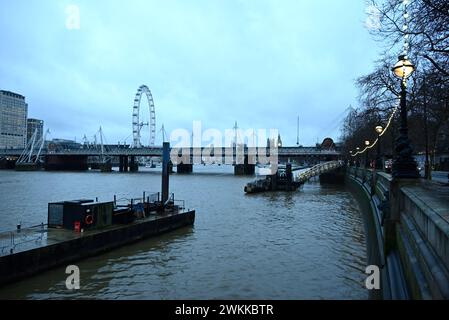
x: 433, y: 195
x: 440, y: 176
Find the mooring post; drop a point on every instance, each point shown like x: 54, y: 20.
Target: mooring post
x: 274, y: 181
x: 289, y: 176
x: 165, y: 172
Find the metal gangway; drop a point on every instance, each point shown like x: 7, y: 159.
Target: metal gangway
x: 317, y: 170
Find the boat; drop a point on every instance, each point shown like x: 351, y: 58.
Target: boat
x: 151, y: 165
x: 273, y: 180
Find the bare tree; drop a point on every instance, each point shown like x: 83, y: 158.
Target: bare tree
x: 427, y: 30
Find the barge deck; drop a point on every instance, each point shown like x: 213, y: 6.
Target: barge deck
x: 40, y: 248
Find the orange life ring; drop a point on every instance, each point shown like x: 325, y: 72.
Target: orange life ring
x: 89, y: 219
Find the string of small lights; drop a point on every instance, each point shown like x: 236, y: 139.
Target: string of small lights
x: 390, y: 120
x: 405, y: 27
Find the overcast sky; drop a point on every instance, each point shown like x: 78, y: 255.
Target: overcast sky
x: 259, y: 62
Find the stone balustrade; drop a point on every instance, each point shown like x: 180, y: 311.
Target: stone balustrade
x: 410, y: 230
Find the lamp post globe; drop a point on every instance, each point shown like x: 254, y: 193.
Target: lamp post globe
x: 403, y: 68
x: 404, y: 165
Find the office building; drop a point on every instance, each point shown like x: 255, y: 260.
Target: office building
x: 32, y: 126
x: 13, y: 120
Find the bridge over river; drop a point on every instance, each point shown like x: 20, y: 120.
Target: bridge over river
x: 157, y: 151
x: 243, y: 158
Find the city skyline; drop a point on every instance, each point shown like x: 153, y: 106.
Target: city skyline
x: 261, y: 65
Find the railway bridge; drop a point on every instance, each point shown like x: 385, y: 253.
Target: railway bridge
x: 244, y: 159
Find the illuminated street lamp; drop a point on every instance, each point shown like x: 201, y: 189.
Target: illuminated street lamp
x: 367, y: 143
x: 358, y: 155
x: 404, y: 68
x: 404, y: 165
x: 379, y: 164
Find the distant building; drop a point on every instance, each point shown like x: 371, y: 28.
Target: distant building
x: 274, y: 142
x: 13, y: 120
x: 328, y: 144
x: 32, y: 126
x: 279, y: 141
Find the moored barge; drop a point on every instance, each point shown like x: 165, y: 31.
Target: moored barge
x: 281, y: 180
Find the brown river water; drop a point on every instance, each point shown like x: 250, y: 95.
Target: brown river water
x: 309, y: 244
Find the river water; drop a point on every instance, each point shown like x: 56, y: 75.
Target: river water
x: 304, y: 245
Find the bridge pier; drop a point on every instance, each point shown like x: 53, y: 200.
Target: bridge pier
x: 133, y: 166
x: 184, y: 168
x: 244, y: 169
x: 125, y: 164
x: 128, y: 164
x: 121, y: 164
x: 63, y: 162
x: 6, y: 163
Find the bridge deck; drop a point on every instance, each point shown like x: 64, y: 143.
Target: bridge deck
x: 157, y: 151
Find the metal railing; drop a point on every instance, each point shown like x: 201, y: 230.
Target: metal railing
x: 148, y: 197
x: 12, y: 240
x: 318, y: 170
